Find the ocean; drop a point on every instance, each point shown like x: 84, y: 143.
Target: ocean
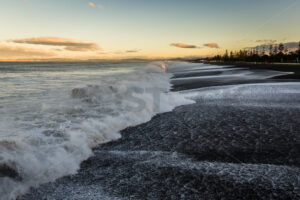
x: 53, y: 114
x: 148, y: 130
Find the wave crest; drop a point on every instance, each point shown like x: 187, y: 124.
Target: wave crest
x: 53, y: 136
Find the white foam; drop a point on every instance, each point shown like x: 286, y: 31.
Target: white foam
x: 175, y: 67
x: 285, y: 95
x: 236, y: 74
x: 50, y: 135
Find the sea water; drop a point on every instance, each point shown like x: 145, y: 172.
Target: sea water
x: 53, y: 114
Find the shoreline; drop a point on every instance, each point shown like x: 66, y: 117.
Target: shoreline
x: 212, y: 149
x: 284, y: 67
x: 292, y: 75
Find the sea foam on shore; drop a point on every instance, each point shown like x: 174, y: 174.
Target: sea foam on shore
x: 236, y: 142
x: 46, y: 132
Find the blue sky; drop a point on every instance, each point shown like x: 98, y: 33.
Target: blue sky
x: 147, y: 28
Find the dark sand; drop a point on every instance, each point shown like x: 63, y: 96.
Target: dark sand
x: 206, y: 150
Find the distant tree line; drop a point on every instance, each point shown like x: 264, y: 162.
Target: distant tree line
x: 274, y: 53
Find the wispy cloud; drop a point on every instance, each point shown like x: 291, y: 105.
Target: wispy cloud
x: 132, y: 51
x: 212, y: 45
x: 127, y: 51
x: 185, y: 46
x: 15, y: 51
x: 68, y: 44
x: 91, y: 4
x: 266, y: 41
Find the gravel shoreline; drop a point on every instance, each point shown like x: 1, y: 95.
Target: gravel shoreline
x: 207, y: 150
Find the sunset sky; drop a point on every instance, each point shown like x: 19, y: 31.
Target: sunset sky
x: 116, y: 29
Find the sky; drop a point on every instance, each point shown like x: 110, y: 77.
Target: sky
x: 121, y: 29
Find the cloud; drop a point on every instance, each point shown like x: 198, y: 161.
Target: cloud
x: 182, y: 45
x: 212, y: 45
x: 132, y: 51
x: 68, y: 44
x: 189, y: 46
x: 15, y: 51
x: 127, y: 51
x: 266, y: 41
x: 91, y: 4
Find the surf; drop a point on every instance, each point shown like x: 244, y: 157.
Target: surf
x: 47, y: 136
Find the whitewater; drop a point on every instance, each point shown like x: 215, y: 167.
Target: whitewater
x: 53, y: 114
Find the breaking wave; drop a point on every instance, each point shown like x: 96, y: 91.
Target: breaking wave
x: 48, y: 136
